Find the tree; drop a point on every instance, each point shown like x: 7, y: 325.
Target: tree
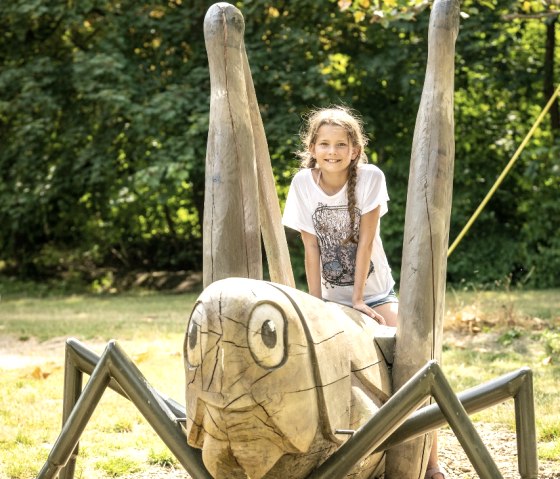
x: 101, y: 104
x: 104, y: 114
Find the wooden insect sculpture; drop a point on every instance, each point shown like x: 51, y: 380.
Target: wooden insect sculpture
x: 280, y: 384
x: 276, y: 377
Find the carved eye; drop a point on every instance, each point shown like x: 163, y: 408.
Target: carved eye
x: 197, y: 336
x: 266, y: 335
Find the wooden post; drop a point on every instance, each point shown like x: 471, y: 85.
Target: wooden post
x: 240, y: 195
x: 426, y: 234
x: 231, y: 232
x: 274, y: 236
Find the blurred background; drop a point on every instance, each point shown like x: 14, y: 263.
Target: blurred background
x: 104, y: 116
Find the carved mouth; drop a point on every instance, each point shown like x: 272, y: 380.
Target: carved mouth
x: 246, y: 440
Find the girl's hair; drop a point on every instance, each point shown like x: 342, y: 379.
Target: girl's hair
x: 349, y: 120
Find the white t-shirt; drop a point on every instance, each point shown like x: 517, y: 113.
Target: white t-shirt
x: 308, y: 208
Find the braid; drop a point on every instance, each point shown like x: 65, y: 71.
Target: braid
x: 351, y: 195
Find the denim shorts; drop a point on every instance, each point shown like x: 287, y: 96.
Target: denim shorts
x: 390, y: 298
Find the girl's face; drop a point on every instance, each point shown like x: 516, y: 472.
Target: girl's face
x: 333, y: 149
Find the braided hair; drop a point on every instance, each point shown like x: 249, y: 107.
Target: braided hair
x: 344, y: 117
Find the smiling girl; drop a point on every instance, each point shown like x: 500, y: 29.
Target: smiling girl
x: 336, y: 201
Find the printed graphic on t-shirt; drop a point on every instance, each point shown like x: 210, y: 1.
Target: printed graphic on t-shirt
x: 338, y: 255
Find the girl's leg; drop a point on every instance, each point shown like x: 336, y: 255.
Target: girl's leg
x: 433, y: 460
x: 389, y: 311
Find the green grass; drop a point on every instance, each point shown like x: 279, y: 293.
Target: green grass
x: 162, y: 457
x: 95, y: 317
x: 509, y: 304
x: 150, y: 327
x: 118, y: 466
x: 525, y: 327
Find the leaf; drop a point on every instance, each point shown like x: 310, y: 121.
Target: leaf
x: 141, y: 356
x: 38, y: 373
x: 359, y: 16
x: 344, y: 4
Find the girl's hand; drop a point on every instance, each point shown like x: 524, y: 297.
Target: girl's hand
x: 364, y: 308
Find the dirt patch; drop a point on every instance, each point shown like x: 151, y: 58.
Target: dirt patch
x: 155, y: 472
x: 502, y: 445
x: 24, y: 353
x: 19, y: 354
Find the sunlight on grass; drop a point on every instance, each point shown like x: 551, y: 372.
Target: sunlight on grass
x: 523, y: 329
x: 117, y: 440
x: 543, y: 304
x: 549, y: 450
x: 162, y: 457
x: 94, y: 317
x: 118, y: 466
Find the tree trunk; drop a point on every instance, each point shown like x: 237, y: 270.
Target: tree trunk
x: 549, y: 71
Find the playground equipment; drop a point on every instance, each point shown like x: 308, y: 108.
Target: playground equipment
x: 391, y: 424
x: 280, y: 384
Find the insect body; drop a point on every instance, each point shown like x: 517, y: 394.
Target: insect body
x: 273, y: 373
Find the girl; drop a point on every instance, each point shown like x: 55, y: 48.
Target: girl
x: 336, y: 201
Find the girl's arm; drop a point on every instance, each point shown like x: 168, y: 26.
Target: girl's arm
x: 312, y: 263
x: 368, y: 228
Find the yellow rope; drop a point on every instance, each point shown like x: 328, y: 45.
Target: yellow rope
x: 504, y: 173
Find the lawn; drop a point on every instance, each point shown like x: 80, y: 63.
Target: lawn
x: 487, y: 334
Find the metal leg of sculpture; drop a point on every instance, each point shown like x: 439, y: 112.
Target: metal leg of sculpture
x: 517, y: 385
x: 73, y: 381
x: 526, y: 431
x: 73, y: 427
x: 429, y: 381
x: 83, y: 359
x: 114, y: 365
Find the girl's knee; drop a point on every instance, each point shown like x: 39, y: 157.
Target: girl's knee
x: 389, y: 311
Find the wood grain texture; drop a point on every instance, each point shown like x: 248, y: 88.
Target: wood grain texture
x: 231, y: 227
x: 426, y: 234
x: 273, y: 234
x: 240, y: 192
x: 272, y: 373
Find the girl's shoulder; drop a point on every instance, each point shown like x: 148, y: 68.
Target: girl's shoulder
x: 367, y: 170
x: 302, y: 176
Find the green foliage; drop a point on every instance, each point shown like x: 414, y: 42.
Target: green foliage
x: 162, y: 457
x: 104, y: 118
x: 117, y: 466
x: 551, y: 340
x: 94, y: 101
x: 510, y: 336
x: 498, y: 97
